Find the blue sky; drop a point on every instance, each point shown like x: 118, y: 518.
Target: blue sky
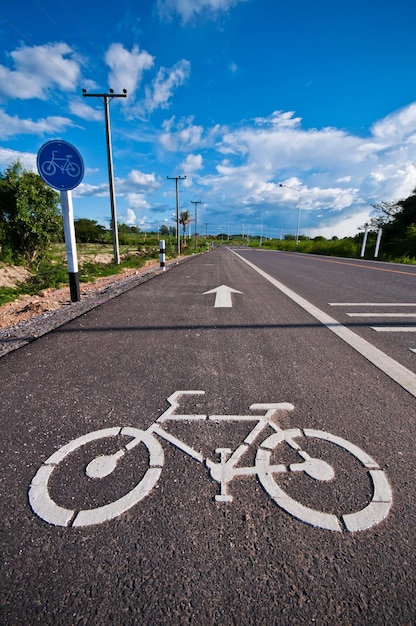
x: 239, y: 96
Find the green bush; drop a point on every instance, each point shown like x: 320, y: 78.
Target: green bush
x: 8, y: 294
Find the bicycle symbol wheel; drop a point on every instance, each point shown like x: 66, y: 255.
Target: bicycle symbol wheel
x: 369, y: 516
x: 49, y: 168
x: 73, y: 169
x: 48, y: 510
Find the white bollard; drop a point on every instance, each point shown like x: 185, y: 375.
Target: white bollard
x: 162, y: 254
x: 364, y: 241
x: 378, y: 243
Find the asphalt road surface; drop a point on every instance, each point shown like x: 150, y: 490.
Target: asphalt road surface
x: 188, y: 455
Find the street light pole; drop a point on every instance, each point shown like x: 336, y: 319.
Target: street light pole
x: 176, y: 179
x: 106, y: 98
x: 299, y: 190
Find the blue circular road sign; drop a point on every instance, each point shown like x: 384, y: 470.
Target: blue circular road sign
x: 60, y: 165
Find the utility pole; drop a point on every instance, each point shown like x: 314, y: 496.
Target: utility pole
x: 196, y: 202
x: 176, y: 179
x: 106, y: 98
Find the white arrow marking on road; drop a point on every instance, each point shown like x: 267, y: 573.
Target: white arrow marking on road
x: 223, y: 296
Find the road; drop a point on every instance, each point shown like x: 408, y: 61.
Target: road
x: 306, y: 527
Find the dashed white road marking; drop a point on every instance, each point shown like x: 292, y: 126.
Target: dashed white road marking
x: 383, y: 329
x: 381, y: 314
x: 397, y: 304
x: 394, y: 329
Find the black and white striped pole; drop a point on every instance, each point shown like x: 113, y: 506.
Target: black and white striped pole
x: 70, y: 245
x: 162, y: 255
x: 61, y: 166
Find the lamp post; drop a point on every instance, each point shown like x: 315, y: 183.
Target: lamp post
x: 299, y: 190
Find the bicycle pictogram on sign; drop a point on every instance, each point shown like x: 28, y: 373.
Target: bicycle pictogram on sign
x: 60, y: 165
x: 64, y: 164
x: 222, y: 471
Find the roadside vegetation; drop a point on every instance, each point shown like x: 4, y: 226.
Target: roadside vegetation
x: 31, y: 237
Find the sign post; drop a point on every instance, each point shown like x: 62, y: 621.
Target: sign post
x: 61, y: 166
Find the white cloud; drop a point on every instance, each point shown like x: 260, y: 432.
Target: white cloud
x: 188, y: 9
x: 137, y: 200
x: 341, y: 174
x: 167, y: 80
x: 192, y: 163
x: 397, y: 125
x: 185, y: 135
x: 137, y: 179
x: 329, y: 227
x: 11, y: 126
x: 85, y: 189
x: 86, y: 112
x: 27, y: 159
x: 38, y: 70
x: 126, y: 67
x: 131, y: 217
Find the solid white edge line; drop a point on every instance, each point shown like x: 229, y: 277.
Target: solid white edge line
x: 400, y: 374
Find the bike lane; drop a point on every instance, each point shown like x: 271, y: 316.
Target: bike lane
x: 181, y: 556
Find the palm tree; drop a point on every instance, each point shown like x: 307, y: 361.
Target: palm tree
x: 184, y: 219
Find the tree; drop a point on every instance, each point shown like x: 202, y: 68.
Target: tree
x: 385, y: 213
x: 398, y: 220
x: 30, y: 217
x: 125, y: 229
x: 184, y: 220
x: 89, y: 231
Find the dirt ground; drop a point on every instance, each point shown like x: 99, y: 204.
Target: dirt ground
x: 28, y: 307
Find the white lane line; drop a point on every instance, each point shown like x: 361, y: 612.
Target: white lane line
x: 394, y: 329
x: 397, y: 372
x: 398, y: 304
x: 381, y: 314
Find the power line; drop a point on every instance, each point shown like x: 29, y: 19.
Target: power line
x: 83, y: 33
x: 50, y: 18
x: 40, y: 48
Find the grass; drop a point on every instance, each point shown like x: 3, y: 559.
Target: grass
x: 53, y: 272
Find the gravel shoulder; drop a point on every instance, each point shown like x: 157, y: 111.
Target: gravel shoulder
x: 30, y: 317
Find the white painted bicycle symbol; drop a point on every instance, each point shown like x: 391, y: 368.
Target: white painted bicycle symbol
x: 222, y: 472
x: 63, y: 163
